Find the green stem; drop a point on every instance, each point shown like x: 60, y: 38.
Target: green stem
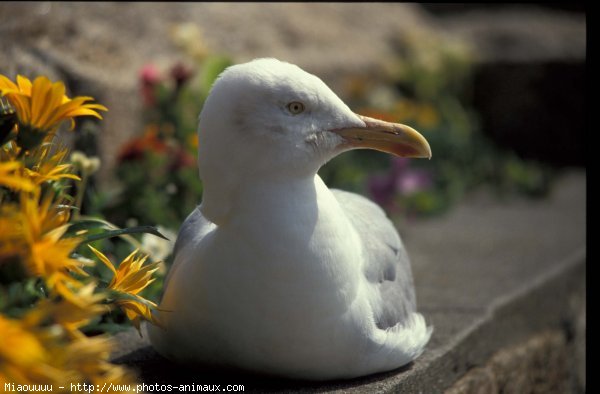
x: 80, y: 194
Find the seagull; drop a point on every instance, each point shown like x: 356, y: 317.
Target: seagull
x: 275, y: 273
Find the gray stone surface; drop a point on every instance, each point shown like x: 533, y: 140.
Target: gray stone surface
x: 539, y: 365
x: 489, y: 276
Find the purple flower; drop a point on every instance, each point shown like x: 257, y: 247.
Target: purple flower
x: 401, y: 179
x: 381, y: 188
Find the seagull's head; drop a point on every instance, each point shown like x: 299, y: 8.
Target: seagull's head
x: 271, y: 119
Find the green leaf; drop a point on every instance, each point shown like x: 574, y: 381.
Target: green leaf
x: 88, y: 224
x: 132, y: 230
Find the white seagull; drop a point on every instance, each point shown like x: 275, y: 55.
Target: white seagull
x: 274, y: 272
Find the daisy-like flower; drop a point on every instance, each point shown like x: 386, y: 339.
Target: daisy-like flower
x: 42, y: 105
x: 76, y: 307
x: 89, y: 358
x: 50, y: 167
x: 33, y: 352
x: 10, y: 176
x: 24, y: 355
x: 129, y: 279
x: 35, y: 236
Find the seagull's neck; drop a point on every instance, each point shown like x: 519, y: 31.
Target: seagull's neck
x: 281, y: 197
x: 289, y: 208
x: 294, y: 227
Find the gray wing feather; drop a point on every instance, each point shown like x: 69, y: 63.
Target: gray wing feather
x: 388, y: 266
x: 193, y: 229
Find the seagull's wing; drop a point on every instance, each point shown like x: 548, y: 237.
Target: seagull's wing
x: 386, y: 264
x: 194, y: 228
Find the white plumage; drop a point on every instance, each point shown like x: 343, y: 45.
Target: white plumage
x: 274, y: 272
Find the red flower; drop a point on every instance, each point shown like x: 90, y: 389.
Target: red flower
x: 137, y: 147
x: 182, y: 159
x: 181, y: 73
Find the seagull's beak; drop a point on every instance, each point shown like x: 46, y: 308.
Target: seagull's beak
x: 394, y: 138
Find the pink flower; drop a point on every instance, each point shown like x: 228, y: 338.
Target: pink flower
x: 149, y: 77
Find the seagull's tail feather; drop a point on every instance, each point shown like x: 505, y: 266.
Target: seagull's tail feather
x: 401, y: 344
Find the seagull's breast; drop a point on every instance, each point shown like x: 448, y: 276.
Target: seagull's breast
x: 293, y: 250
x: 280, y: 278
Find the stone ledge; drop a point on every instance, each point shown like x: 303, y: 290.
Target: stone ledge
x: 491, y: 277
x: 538, y: 365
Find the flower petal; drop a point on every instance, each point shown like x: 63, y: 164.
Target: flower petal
x: 39, y: 99
x: 24, y: 85
x: 7, y: 85
x: 103, y: 259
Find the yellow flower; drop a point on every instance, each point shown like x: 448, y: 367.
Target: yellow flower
x: 49, y: 167
x: 76, y: 307
x: 35, y: 353
x: 89, y: 358
x: 43, y: 104
x: 34, y: 235
x: 10, y: 152
x: 24, y: 354
x: 50, y: 255
x: 10, y: 177
x: 42, y: 214
x: 130, y: 278
x: 138, y: 309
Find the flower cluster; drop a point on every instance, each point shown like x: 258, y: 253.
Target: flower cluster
x: 48, y: 294
x: 156, y: 175
x: 157, y: 170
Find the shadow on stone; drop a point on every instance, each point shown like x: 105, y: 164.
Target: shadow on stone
x: 154, y: 369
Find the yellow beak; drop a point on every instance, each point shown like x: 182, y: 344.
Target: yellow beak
x: 394, y: 138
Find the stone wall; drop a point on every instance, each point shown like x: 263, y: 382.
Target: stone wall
x: 99, y: 48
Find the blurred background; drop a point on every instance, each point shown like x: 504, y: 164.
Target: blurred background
x: 498, y: 91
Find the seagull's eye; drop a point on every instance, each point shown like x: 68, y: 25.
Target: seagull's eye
x: 295, y: 107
